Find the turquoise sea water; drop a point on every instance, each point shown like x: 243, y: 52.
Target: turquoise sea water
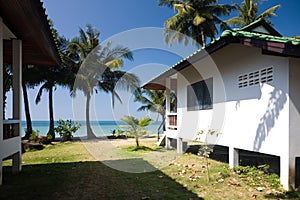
x: 100, y: 128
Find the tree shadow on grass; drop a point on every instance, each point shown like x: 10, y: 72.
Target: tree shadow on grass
x: 285, y: 195
x: 140, y: 148
x: 90, y: 180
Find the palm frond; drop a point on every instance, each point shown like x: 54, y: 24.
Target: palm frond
x: 40, y: 92
x: 270, y: 12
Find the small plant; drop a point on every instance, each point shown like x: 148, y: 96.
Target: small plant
x: 258, y: 176
x: 66, y: 129
x: 136, y: 126
x: 34, y: 136
x: 206, y: 149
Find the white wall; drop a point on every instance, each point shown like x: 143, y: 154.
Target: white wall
x: 294, y: 104
x: 255, y: 118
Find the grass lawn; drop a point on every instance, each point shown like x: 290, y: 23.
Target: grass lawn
x: 69, y: 171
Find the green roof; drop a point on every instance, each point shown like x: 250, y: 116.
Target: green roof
x: 228, y: 37
x: 271, y: 38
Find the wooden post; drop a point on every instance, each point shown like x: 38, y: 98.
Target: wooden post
x: 1, y: 95
x: 17, y: 83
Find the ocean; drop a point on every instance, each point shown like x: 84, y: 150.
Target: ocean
x: 100, y: 128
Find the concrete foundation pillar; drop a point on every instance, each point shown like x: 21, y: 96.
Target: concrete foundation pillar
x: 287, y: 172
x: 168, y: 143
x: 233, y: 157
x: 179, y: 145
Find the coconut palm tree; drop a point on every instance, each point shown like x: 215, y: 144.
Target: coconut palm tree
x: 155, y: 101
x: 51, y: 76
x: 248, y: 13
x: 136, y: 127
x: 194, y: 19
x: 30, y: 79
x: 98, y: 68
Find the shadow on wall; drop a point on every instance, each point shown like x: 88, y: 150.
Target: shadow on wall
x: 267, y: 122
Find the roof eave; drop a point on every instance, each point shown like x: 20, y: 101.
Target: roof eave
x: 267, y: 47
x: 28, y: 22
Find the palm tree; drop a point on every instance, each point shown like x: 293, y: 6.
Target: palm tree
x: 30, y: 79
x: 194, y: 19
x: 112, y: 81
x: 97, y: 68
x: 248, y: 13
x: 51, y: 77
x: 136, y: 127
x: 155, y: 101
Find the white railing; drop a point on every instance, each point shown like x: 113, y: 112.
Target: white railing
x: 11, y: 128
x: 172, y: 121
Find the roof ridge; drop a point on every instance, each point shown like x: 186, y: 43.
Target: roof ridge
x: 239, y: 32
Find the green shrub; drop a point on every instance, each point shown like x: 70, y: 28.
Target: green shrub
x: 258, y: 176
x: 34, y: 135
x: 66, y: 129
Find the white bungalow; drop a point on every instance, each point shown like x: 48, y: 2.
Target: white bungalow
x: 246, y: 86
x: 25, y: 39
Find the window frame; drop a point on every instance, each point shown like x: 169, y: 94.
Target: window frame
x: 200, y: 95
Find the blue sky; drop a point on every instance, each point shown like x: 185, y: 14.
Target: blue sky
x: 115, y: 19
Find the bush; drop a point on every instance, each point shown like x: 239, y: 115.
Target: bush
x: 258, y: 176
x: 34, y: 135
x: 66, y: 129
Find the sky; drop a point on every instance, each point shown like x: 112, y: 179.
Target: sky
x: 137, y: 24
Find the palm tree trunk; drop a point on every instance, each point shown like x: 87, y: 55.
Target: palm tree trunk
x: 163, y: 125
x: 27, y: 113
x: 203, y: 37
x: 51, y: 118
x: 137, y: 141
x: 90, y: 133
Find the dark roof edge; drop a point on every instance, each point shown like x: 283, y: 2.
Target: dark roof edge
x: 52, y: 41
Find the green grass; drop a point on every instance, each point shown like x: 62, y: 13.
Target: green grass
x: 68, y: 171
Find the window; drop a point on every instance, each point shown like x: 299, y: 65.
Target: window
x: 254, y: 78
x: 200, y: 95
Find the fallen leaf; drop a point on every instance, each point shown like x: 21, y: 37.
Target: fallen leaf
x: 234, y: 182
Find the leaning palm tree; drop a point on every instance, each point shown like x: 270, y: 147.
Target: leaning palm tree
x: 98, y: 68
x: 152, y: 100
x: 155, y: 101
x: 248, y: 13
x: 194, y: 19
